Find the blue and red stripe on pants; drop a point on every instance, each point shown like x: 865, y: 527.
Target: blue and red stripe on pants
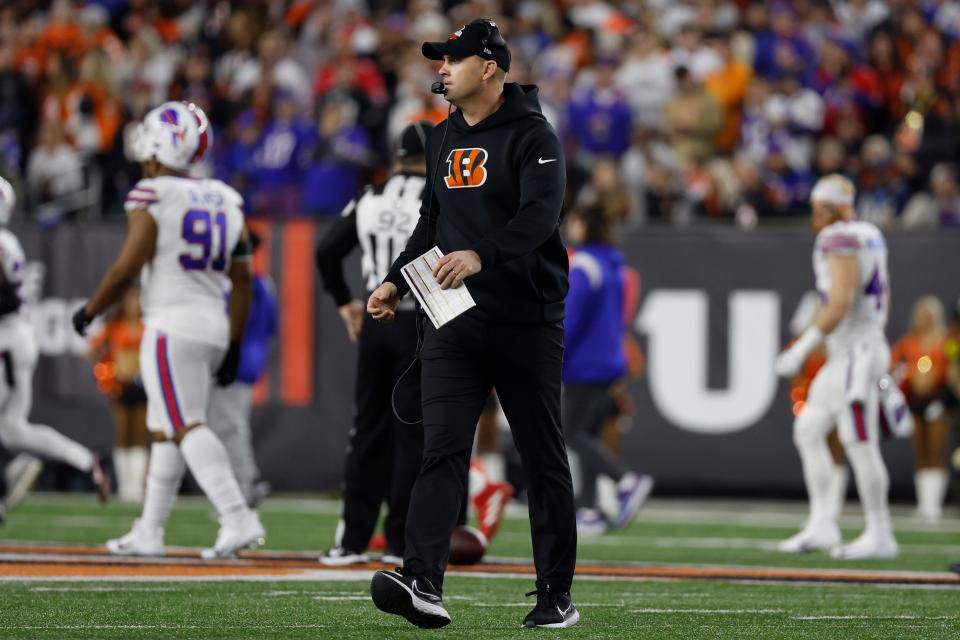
x: 166, y: 384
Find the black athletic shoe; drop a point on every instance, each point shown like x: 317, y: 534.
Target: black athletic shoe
x: 955, y: 567
x: 412, y: 597
x: 553, y: 611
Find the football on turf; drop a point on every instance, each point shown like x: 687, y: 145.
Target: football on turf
x: 467, y: 545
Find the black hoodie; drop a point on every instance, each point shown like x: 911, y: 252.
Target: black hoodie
x: 500, y: 193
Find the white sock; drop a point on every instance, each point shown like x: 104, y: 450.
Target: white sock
x: 46, y: 442
x: 608, y: 498
x: 121, y: 468
x: 872, y: 485
x: 943, y: 483
x: 931, y: 484
x: 839, y: 477
x: 137, y: 470
x: 494, y: 465
x: 817, y: 472
x: 163, y: 481
x: 478, y: 480
x: 210, y: 466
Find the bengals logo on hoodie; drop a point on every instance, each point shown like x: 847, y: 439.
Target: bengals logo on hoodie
x: 465, y: 168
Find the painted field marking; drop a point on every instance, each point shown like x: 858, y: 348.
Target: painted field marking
x: 865, y: 617
x: 709, y: 611
x: 102, y: 589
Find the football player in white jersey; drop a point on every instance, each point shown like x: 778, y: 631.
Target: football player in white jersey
x: 18, y: 359
x: 187, y: 237
x: 850, y: 264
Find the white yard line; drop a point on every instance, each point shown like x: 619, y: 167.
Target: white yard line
x: 863, y: 617
x: 710, y: 611
x: 717, y: 542
x: 110, y: 627
x: 102, y: 589
x: 528, y: 605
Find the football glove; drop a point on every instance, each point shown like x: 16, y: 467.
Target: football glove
x: 227, y: 372
x: 81, y: 321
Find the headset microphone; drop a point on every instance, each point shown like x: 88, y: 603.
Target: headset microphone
x: 438, y: 88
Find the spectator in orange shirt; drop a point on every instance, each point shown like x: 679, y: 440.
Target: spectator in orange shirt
x: 919, y: 363
x: 115, y: 352
x: 728, y: 85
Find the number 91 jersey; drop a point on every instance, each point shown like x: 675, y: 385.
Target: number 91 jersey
x: 198, y: 225
x: 867, y: 316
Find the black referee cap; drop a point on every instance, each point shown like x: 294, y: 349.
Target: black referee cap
x: 413, y: 139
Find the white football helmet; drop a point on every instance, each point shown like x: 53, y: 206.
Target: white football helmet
x: 8, y: 199
x: 175, y: 134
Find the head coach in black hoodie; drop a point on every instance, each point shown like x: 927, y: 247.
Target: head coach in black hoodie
x: 496, y: 177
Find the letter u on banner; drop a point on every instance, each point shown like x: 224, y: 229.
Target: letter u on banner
x: 675, y: 322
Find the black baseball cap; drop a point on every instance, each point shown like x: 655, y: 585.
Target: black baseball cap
x: 413, y: 139
x: 479, y: 38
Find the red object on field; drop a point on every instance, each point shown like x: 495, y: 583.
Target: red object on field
x: 490, y: 504
x: 378, y: 542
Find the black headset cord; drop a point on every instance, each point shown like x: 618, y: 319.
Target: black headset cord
x: 421, y: 316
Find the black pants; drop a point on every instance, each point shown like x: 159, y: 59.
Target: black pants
x: 461, y: 362
x: 383, y: 455
x: 585, y: 407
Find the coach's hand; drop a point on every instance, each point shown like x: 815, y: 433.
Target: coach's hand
x: 352, y: 315
x: 453, y: 268
x: 81, y: 321
x: 383, y: 302
x: 227, y: 372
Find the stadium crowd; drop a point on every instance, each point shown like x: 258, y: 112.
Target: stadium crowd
x: 670, y: 111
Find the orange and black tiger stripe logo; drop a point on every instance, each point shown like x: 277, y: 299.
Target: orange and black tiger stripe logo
x: 465, y: 168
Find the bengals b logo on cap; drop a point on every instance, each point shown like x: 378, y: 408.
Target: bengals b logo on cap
x: 465, y: 168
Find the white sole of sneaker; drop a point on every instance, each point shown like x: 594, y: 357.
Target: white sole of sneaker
x: 877, y: 554
x: 344, y: 561
x: 391, y: 595
x: 257, y: 540
x: 569, y: 622
x: 806, y: 543
x: 807, y: 547
x: 117, y: 550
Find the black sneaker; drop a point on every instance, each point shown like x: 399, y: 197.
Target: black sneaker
x: 412, y: 597
x: 955, y: 567
x: 553, y: 611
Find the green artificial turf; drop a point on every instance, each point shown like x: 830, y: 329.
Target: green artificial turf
x: 487, y: 607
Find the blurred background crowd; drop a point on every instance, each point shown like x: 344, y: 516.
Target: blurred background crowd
x: 672, y: 112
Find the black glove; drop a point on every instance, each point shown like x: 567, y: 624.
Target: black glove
x: 227, y: 372
x: 81, y: 321
x: 9, y: 298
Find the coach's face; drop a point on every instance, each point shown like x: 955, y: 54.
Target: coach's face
x: 464, y: 77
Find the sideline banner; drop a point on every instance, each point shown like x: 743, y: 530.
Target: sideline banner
x: 713, y: 310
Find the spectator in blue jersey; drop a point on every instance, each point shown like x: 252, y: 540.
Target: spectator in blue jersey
x: 235, y: 160
x: 280, y: 159
x: 785, y: 190
x: 598, y: 114
x: 228, y: 413
x: 782, y: 48
x: 339, y: 159
x: 594, y: 361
